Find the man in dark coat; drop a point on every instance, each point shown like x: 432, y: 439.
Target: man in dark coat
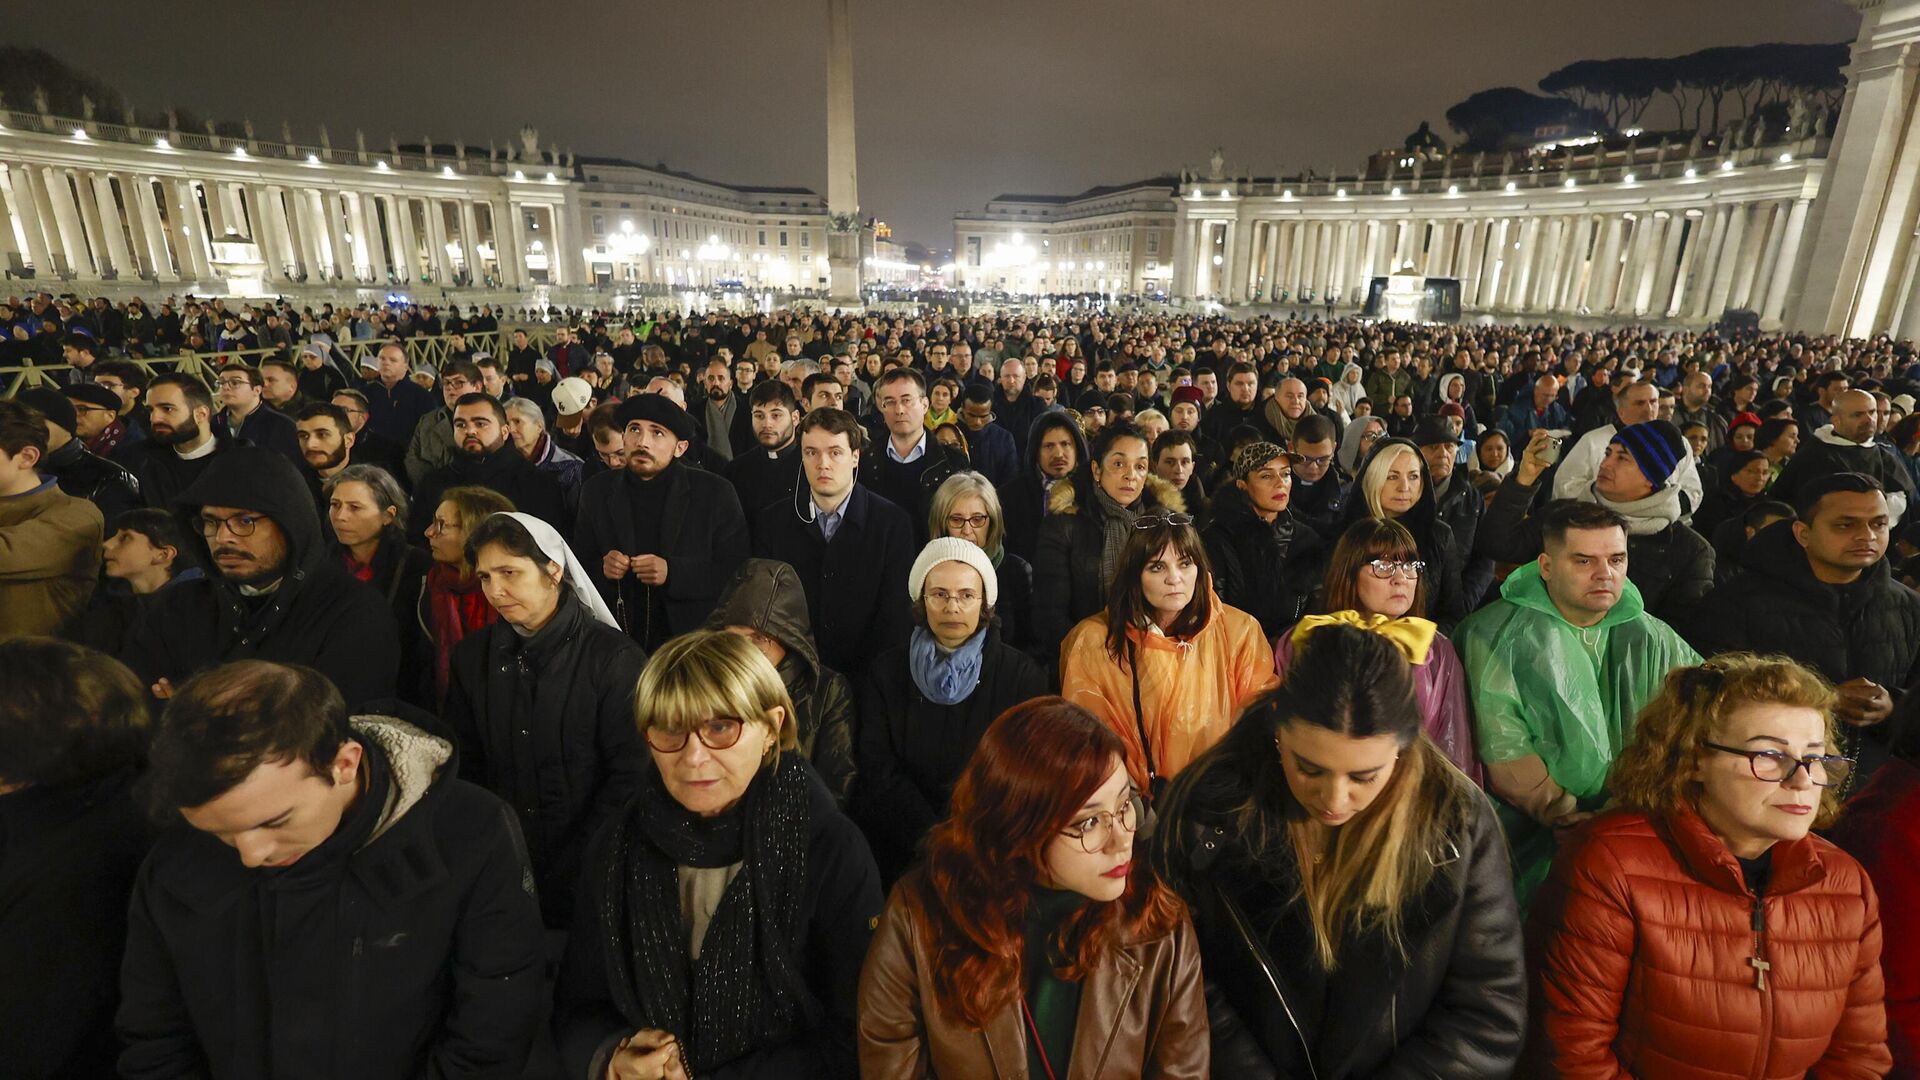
x: 248, y: 417
x: 341, y: 907
x: 769, y: 471
x: 182, y: 442
x: 1265, y: 561
x: 1821, y: 590
x: 396, y: 403
x: 1847, y: 445
x: 991, y: 451
x: 1055, y: 448
x: 274, y: 592
x: 83, y: 475
x: 1318, y: 487
x: 766, y: 603
x: 485, y: 457
x: 1014, y: 405
x: 909, y: 463
x: 1457, y: 502
x: 851, y: 548
x: 658, y: 538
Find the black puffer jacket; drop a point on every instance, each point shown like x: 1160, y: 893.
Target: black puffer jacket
x: 1066, y: 568
x: 1267, y: 570
x: 411, y: 947
x: 1446, y: 558
x: 1672, y: 568
x: 101, y: 482
x: 1870, y: 629
x: 766, y: 595
x: 1453, y: 1006
x: 546, y: 723
x: 912, y: 750
x: 318, y: 615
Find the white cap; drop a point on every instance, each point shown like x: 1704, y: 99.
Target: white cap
x: 572, y: 395
x: 953, y: 549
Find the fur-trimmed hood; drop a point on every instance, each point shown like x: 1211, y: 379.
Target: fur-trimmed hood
x: 1065, y: 497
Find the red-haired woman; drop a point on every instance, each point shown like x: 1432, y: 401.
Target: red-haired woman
x: 1032, y: 943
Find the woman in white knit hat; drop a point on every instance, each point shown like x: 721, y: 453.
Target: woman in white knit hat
x: 927, y: 701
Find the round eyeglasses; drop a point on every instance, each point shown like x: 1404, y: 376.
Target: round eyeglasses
x: 717, y: 733
x: 1825, y: 770
x: 1096, y: 831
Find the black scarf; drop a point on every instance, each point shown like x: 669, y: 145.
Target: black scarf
x: 746, y: 990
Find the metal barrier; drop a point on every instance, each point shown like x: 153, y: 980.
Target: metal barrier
x: 205, y: 365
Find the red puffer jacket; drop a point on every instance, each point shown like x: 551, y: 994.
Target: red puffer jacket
x: 1650, y: 937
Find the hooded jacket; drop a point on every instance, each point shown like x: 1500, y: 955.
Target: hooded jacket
x: 317, y: 615
x: 411, y: 948
x: 1445, y: 558
x: 1190, y: 691
x: 1267, y: 570
x: 766, y: 595
x: 912, y: 750
x: 545, y: 721
x: 1542, y: 687
x: 1870, y: 629
x: 49, y: 560
x: 1024, y: 499
x: 1346, y: 394
x: 1648, y: 927
x: 1066, y: 565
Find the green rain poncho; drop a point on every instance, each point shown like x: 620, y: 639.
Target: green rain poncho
x: 1542, y: 686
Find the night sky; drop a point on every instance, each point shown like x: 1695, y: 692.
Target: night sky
x: 957, y: 102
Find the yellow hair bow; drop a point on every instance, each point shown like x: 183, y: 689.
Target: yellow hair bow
x: 1413, y: 637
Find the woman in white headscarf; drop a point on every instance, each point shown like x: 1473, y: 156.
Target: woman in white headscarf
x: 540, y: 702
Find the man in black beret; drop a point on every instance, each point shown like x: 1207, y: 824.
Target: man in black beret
x: 659, y: 538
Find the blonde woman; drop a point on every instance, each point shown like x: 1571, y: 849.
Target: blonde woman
x: 1391, y: 485
x: 725, y: 910
x: 1350, y: 886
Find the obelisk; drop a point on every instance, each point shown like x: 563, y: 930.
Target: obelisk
x: 843, y: 193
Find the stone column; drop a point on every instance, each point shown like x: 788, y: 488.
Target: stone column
x: 267, y: 229
x: 1605, y: 279
x: 1440, y: 249
x: 1523, y: 259
x: 103, y: 221
x: 1760, y: 235
x: 1774, y: 307
x: 1729, y: 259
x: 306, y: 226
x: 216, y: 202
x: 1239, y: 256
x: 186, y: 229
x: 469, y: 241
x: 1663, y: 244
x: 1552, y: 263
x: 436, y: 222
x: 1756, y: 294
x: 1486, y: 291
x: 512, y: 273
x: 1660, y: 298
x: 73, y: 236
x: 409, y: 260
x: 1573, y: 274
x: 329, y: 202
x: 1180, y: 286
x: 32, y: 223
x: 1645, y: 232
x: 10, y: 253
x: 1471, y: 250
x: 1699, y: 280
x: 367, y: 247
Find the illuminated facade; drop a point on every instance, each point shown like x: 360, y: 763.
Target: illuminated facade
x: 1116, y: 240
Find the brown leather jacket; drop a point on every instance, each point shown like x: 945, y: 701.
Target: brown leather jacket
x: 1142, y: 1015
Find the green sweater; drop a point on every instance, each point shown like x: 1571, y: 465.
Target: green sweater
x: 1055, y: 1003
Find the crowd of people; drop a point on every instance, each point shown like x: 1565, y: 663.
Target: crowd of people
x: 800, y: 694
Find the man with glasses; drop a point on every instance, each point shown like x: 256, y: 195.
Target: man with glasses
x: 432, y: 443
x: 1820, y: 589
x: 128, y: 381
x: 1558, y: 668
x: 1318, y: 488
x: 273, y: 592
x: 246, y: 415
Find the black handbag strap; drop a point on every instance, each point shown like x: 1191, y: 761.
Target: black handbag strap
x: 1140, y: 719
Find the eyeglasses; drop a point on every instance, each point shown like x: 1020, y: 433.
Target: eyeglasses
x: 1387, y: 568
x: 240, y: 525
x: 1154, y: 521
x: 1096, y: 830
x: 230, y: 384
x: 1825, y: 770
x: 717, y: 733
x: 965, y: 598
x: 1316, y: 460
x: 968, y: 521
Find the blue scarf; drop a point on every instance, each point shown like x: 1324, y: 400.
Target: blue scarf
x: 945, y: 678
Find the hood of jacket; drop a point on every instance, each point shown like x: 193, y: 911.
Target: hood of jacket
x: 1065, y: 498
x: 265, y: 482
x: 415, y: 759
x: 1349, y: 449
x: 1776, y: 553
x: 1046, y: 422
x: 767, y: 595
x: 1525, y: 588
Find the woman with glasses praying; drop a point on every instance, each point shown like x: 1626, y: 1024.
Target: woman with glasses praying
x: 1350, y: 888
x: 1034, y: 941
x: 724, y: 911
x: 1376, y: 581
x: 927, y: 702
x: 1167, y: 665
x: 1699, y: 927
x: 965, y: 505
